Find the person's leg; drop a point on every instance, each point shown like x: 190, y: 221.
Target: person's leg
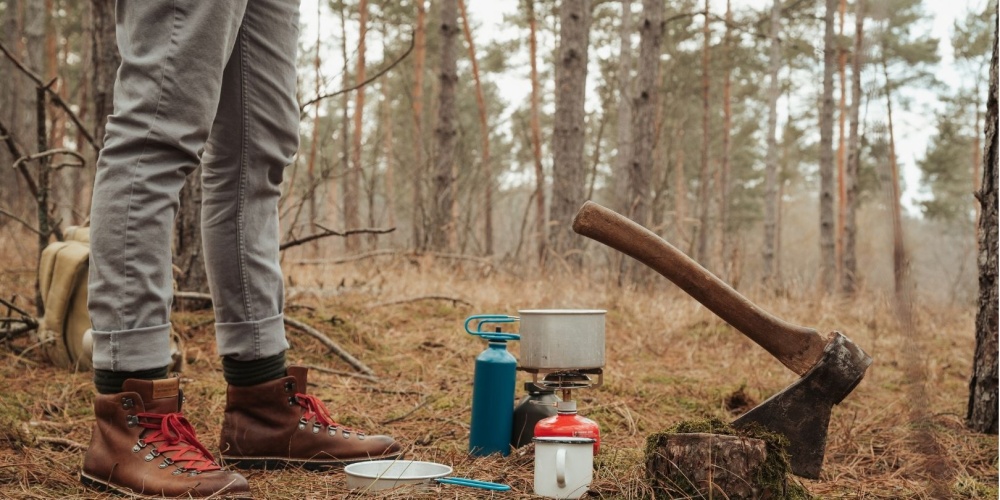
x: 270, y: 420
x: 173, y: 53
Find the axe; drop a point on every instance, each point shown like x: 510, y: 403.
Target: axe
x: 830, y: 367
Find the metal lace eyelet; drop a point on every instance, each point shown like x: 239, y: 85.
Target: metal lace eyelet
x: 131, y: 420
x: 178, y: 472
x: 127, y: 403
x: 332, y: 430
x: 151, y: 455
x: 302, y: 423
x: 361, y: 436
x: 138, y: 446
x: 346, y: 433
x: 193, y: 473
x: 316, y: 428
x: 292, y: 401
x: 290, y: 386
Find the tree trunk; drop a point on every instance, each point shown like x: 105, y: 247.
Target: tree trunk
x: 352, y: 181
x: 106, y: 61
x: 541, y: 228
x: 982, y: 413
x: 841, y: 152
x: 443, y: 224
x: 420, y: 42
x: 680, y: 189
x: 314, y: 142
x: 704, y: 176
x: 390, y: 157
x: 345, y: 122
x: 900, y: 264
x: 849, y: 267
x: 622, y: 198
x: 827, y: 250
x: 484, y: 127
x: 645, y: 104
x: 699, y: 465
x: 569, y: 127
x: 771, y: 163
x: 187, y: 238
x: 725, y: 259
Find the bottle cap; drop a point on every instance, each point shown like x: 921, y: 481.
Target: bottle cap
x: 566, y: 406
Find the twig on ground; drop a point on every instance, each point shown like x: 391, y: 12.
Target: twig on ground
x: 10, y: 305
x: 342, y: 373
x: 407, y: 414
x: 402, y: 253
x: 63, y: 442
x: 333, y: 346
x: 330, y: 232
x: 192, y: 296
x: 454, y: 301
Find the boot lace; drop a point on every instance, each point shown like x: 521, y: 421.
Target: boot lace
x: 177, y: 433
x: 315, y: 408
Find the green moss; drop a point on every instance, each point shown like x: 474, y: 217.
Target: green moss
x: 13, y: 431
x: 772, y: 472
x: 966, y: 486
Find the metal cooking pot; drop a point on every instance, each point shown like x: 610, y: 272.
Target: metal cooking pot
x: 562, y: 339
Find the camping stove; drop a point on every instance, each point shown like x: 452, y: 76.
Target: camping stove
x: 563, y: 349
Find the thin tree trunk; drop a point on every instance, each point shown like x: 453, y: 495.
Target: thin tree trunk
x: 314, y: 143
x: 704, y: 176
x: 977, y: 159
x: 624, y: 155
x: 841, y: 153
x: 727, y: 126
x: 899, y: 259
x: 982, y: 412
x: 484, y: 126
x: 645, y: 104
x: 770, y: 275
x: 420, y: 42
x: 390, y: 157
x: 106, y: 61
x: 541, y: 228
x: 849, y: 267
x: 443, y: 222
x: 352, y: 181
x: 826, y: 213
x: 680, y: 188
x: 345, y: 127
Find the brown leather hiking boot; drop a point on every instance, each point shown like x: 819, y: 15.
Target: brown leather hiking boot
x: 143, y: 446
x: 276, y: 424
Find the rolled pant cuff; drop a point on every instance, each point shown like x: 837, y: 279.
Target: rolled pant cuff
x: 132, y: 350
x: 252, y: 340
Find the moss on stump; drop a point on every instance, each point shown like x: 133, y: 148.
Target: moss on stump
x: 708, y: 457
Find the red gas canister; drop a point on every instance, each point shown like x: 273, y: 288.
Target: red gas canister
x: 568, y: 424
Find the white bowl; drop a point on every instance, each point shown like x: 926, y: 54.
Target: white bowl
x: 384, y: 474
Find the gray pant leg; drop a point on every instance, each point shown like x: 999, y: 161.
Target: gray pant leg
x: 166, y: 95
x: 254, y: 137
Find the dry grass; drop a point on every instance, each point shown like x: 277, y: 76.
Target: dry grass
x: 668, y: 360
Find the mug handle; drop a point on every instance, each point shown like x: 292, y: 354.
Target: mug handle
x: 561, y: 467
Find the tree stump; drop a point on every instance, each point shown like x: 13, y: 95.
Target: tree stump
x: 712, y: 465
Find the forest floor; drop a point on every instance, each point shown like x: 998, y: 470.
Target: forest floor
x: 900, y: 434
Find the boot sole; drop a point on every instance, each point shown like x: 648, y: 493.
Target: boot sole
x: 278, y: 463
x: 106, y: 487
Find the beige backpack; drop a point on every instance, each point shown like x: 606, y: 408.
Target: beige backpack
x: 64, y: 333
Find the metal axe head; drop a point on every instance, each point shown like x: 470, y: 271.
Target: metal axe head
x: 801, y: 412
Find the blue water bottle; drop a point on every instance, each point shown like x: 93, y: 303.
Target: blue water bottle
x: 492, y: 389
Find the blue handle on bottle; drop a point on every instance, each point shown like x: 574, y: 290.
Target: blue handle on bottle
x: 491, y: 319
x: 472, y: 483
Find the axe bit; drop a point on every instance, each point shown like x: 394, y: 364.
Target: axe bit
x: 830, y: 367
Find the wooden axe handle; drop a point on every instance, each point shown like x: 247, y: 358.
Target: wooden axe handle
x: 797, y: 347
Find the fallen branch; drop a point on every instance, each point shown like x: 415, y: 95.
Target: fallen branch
x: 192, y: 296
x: 10, y: 305
x: 342, y: 373
x: 330, y: 232
x: 15, y: 152
x: 454, y: 301
x: 403, y: 253
x: 333, y: 346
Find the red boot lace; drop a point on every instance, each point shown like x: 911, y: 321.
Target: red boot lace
x: 315, y: 408
x: 174, y: 430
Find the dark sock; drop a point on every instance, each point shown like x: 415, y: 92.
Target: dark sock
x: 246, y: 373
x: 110, y: 382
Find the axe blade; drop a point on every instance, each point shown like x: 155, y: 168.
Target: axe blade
x: 801, y: 412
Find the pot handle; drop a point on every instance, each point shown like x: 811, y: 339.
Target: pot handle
x: 488, y: 319
x: 561, y: 467
x: 472, y: 483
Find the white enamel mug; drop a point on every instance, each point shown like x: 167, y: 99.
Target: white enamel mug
x: 564, y: 466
